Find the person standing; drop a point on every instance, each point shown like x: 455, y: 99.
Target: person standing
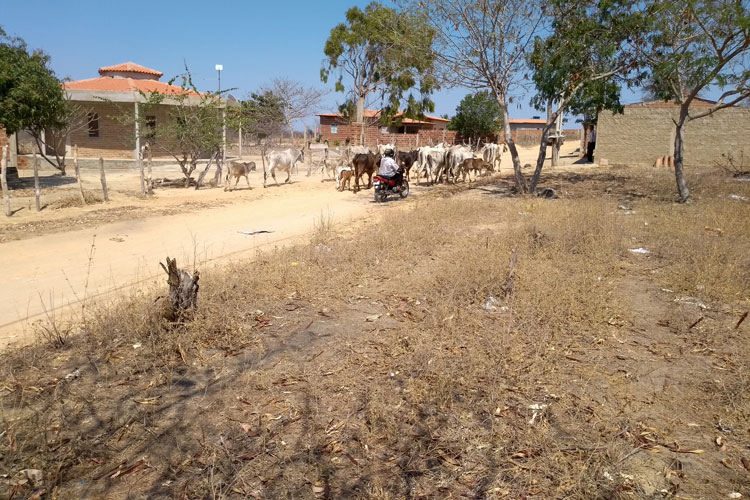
x: 591, y: 145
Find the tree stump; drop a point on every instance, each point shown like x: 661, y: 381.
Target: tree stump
x: 183, y: 292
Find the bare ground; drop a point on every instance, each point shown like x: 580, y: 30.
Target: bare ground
x: 369, y: 363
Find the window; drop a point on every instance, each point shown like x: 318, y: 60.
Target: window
x: 334, y: 129
x: 384, y: 130
x: 150, y: 131
x: 93, y: 125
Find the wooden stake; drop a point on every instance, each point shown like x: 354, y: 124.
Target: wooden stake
x: 4, y: 181
x: 103, y: 179
x: 37, y: 191
x: 140, y: 169
x: 78, y: 173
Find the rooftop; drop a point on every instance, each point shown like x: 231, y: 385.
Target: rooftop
x: 130, y: 67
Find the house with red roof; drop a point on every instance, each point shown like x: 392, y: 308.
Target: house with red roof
x: 115, y: 94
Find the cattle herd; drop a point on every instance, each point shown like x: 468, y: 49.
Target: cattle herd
x: 440, y: 163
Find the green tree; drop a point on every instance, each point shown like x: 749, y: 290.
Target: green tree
x: 582, y: 63
x: 477, y: 116
x: 692, y: 46
x: 483, y: 45
x: 193, y: 129
x: 384, y: 52
x: 32, y: 98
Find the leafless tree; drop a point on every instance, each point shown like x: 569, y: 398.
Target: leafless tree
x: 297, y: 100
x: 52, y: 142
x: 484, y: 44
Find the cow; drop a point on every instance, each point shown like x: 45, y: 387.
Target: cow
x: 382, y: 148
x: 475, y: 165
x: 282, y: 160
x: 430, y: 161
x: 239, y: 169
x: 343, y: 178
x: 453, y: 158
x: 351, y: 151
x: 491, y: 153
x: 365, y: 163
x: 406, y: 160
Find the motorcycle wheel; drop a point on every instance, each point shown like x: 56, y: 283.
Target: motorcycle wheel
x: 376, y: 191
x: 404, y: 189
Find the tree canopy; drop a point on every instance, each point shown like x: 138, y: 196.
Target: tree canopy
x: 477, y: 116
x: 31, y: 97
x: 691, y: 46
x: 382, y: 51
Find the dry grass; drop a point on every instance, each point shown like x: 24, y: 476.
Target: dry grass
x: 279, y: 387
x: 74, y: 200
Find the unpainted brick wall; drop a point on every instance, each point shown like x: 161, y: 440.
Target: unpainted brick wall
x: 116, y: 138
x: 642, y: 134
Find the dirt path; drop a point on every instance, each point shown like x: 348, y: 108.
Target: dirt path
x: 54, y: 259
x: 52, y: 272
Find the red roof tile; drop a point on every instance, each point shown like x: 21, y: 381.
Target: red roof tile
x: 527, y: 121
x: 108, y: 84
x: 130, y: 67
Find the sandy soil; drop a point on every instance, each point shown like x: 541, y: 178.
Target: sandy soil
x: 55, y: 259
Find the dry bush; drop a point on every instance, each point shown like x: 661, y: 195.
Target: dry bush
x: 74, y: 200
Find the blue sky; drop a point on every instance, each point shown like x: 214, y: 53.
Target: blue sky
x: 254, y: 40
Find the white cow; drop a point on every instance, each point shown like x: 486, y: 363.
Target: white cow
x: 282, y: 160
x: 352, y: 151
x: 383, y: 147
x: 453, y: 159
x: 430, y: 161
x: 492, y: 154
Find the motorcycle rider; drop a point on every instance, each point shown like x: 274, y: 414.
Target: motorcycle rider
x: 390, y: 169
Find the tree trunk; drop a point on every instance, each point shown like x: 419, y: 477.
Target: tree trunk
x: 361, y: 119
x: 183, y: 292
x: 520, y: 179
x: 4, y: 181
x: 205, y: 171
x: 540, y: 157
x: 78, y: 174
x: 679, y: 152
x: 37, y: 190
x: 103, y: 178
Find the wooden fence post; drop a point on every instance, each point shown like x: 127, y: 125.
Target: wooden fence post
x: 37, y: 191
x: 78, y: 173
x: 104, y: 179
x: 4, y: 181
x: 140, y: 169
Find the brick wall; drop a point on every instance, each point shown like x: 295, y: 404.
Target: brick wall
x: 116, y: 139
x: 373, y: 136
x: 3, y: 138
x: 643, y: 133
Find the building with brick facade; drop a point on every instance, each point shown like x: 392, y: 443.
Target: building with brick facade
x: 645, y: 131
x: 404, y: 132
x: 109, y: 100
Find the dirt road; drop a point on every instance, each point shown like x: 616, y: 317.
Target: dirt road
x: 56, y: 263
x: 53, y: 272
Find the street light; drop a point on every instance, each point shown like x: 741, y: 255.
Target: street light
x: 219, y: 67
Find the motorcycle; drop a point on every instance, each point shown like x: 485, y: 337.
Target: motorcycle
x: 384, y: 186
